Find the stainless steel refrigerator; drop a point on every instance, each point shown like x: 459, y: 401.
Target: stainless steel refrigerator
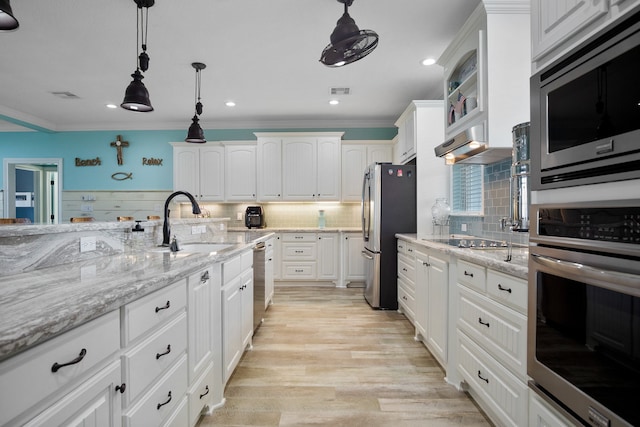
x: 388, y: 207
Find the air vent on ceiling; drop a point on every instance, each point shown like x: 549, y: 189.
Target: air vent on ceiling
x: 339, y: 91
x: 65, y: 95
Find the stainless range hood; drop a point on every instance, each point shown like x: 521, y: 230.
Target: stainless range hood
x: 471, y: 146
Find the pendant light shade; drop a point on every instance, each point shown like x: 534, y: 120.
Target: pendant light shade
x: 195, y: 133
x: 348, y: 42
x: 136, y: 97
x: 8, y: 22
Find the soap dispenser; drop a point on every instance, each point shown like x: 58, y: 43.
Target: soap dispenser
x: 321, y: 220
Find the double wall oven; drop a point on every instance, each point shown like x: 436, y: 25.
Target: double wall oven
x: 584, y: 262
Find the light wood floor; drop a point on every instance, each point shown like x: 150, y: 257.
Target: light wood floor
x: 323, y: 357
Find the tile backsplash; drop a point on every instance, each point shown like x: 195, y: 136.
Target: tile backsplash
x: 496, y: 206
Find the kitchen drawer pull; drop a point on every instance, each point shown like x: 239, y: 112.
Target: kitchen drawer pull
x: 466, y: 273
x: 426, y: 264
x: 159, y: 355
x: 166, y: 306
x: 205, y: 393
x: 121, y: 388
x: 205, y: 276
x: 486, y: 380
x: 56, y: 366
x: 483, y: 323
x: 160, y: 405
x: 504, y: 289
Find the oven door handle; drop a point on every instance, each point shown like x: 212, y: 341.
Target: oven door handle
x: 607, y: 276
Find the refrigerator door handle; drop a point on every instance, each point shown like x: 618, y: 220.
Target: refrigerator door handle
x: 366, y: 255
x: 365, y: 205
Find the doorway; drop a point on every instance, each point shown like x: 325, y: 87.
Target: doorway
x: 33, y: 189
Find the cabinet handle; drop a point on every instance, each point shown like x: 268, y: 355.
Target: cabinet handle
x: 404, y: 297
x: 483, y: 323
x: 486, y: 380
x: 166, y: 306
x: 160, y: 405
x: 159, y: 355
x: 426, y: 264
x: 56, y: 366
x: 404, y: 269
x: 504, y: 289
x: 205, y: 393
x: 205, y: 276
x: 121, y: 388
x: 466, y: 273
x: 409, y: 250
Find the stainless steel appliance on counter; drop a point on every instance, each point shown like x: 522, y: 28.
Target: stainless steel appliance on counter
x: 388, y: 207
x: 584, y: 310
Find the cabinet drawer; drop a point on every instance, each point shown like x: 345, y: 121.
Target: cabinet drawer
x: 506, y: 396
x: 148, y: 312
x: 407, y: 270
x: 406, y: 300
x: 405, y: 248
x: 508, y: 290
x: 298, y: 237
x: 471, y: 275
x: 299, y: 270
x: 160, y: 402
x: 148, y: 360
x: 180, y: 416
x: 200, y: 394
x: 231, y: 269
x: 299, y: 251
x: 30, y: 373
x: 499, y: 330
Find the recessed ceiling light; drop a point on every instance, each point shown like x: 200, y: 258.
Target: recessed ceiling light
x: 428, y: 61
x: 334, y: 102
x: 111, y: 106
x: 230, y: 104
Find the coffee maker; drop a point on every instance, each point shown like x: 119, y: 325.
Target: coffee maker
x: 253, y: 217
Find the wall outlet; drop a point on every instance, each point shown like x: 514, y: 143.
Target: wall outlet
x: 463, y: 227
x: 239, y: 216
x: 87, y: 244
x: 198, y: 229
x: 86, y: 208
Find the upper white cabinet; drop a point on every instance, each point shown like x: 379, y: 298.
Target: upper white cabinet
x: 240, y: 172
x: 486, y: 72
x: 405, y: 148
x: 199, y: 170
x: 309, y: 166
x: 558, y: 26
x: 355, y: 158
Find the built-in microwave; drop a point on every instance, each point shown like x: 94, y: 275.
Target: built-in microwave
x: 585, y: 112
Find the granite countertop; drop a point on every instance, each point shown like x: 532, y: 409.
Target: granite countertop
x: 491, y: 258
x: 304, y: 229
x: 41, y: 304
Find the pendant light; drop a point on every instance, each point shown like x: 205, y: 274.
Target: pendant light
x: 195, y: 133
x: 136, y: 97
x: 8, y: 22
x: 348, y: 42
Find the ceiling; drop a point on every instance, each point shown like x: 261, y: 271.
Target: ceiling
x: 262, y: 54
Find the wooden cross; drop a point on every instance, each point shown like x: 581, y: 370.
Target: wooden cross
x: 119, y: 143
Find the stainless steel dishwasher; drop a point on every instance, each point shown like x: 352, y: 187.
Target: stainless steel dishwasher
x: 259, y: 251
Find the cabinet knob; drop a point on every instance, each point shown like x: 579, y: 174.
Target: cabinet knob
x: 121, y: 388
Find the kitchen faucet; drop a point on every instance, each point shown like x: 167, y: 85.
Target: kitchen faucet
x: 166, y: 231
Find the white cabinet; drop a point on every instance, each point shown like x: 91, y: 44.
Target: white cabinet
x: 237, y: 310
x: 488, y: 64
x: 299, y: 256
x: 200, y: 320
x: 432, y: 302
x: 355, y: 158
x: 329, y: 168
x: 269, y: 268
x: 269, y: 168
x: 557, y: 27
x: 407, y: 279
x: 405, y: 149
x: 352, y: 261
x: 199, y: 170
x: 328, y: 256
x: 277, y: 257
x: 240, y: 172
x: 299, y: 168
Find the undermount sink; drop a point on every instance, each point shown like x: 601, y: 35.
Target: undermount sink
x: 197, y: 247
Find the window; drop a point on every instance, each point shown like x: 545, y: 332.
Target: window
x: 466, y: 189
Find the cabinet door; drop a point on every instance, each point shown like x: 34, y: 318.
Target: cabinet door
x: 329, y: 169
x: 379, y: 154
x: 268, y: 272
x: 422, y: 295
x: 200, y: 318
x: 231, y: 326
x: 328, y: 261
x: 354, y: 263
x: 212, y: 173
x: 94, y: 402
x: 277, y: 257
x: 269, y: 166
x: 354, y: 162
x: 299, y: 168
x: 186, y: 170
x: 437, y: 308
x: 240, y: 176
x: 247, y: 307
